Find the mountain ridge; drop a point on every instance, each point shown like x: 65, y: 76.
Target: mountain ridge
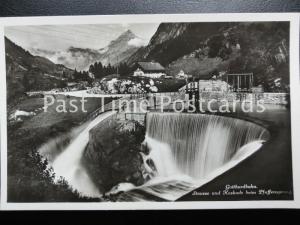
x: 173, y: 40
x: 202, y: 49
x: 26, y: 72
x: 81, y: 58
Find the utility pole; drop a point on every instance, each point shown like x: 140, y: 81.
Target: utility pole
x: 118, y: 66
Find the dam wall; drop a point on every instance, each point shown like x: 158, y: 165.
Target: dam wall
x: 266, y: 97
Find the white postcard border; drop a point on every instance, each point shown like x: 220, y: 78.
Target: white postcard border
x: 114, y: 19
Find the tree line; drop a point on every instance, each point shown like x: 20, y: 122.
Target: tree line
x: 99, y: 71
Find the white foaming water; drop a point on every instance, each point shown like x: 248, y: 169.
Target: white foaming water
x: 198, y: 143
x: 68, y: 163
x: 189, y: 150
x: 55, y: 146
x: 161, y: 154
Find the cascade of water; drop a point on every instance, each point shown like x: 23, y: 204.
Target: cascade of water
x: 196, y: 144
x: 52, y: 148
x: 162, y: 156
x: 188, y: 150
x: 68, y: 163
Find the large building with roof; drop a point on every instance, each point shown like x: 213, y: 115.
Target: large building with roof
x: 149, y: 69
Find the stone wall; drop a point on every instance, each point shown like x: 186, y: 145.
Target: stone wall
x: 266, y: 98
x: 139, y: 117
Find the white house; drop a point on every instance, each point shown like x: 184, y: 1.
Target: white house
x: 149, y: 69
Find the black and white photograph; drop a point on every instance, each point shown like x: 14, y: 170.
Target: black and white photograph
x: 148, y: 109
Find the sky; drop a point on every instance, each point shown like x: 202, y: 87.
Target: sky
x: 61, y: 37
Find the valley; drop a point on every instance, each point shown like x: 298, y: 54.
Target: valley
x: 62, y: 147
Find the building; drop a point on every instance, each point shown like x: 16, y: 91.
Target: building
x: 183, y: 76
x: 149, y: 69
x: 206, y: 86
x: 239, y: 82
x: 257, y: 89
x: 212, y: 86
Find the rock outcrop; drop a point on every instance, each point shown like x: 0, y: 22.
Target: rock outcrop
x: 113, y: 154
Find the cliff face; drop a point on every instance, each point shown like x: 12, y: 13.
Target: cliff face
x: 113, y: 155
x: 173, y: 40
x: 166, y: 32
x: 202, y: 49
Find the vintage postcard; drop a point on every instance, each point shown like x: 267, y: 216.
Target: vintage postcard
x: 150, y: 112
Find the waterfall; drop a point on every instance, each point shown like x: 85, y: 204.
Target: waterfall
x: 162, y: 156
x: 197, y: 144
x: 189, y: 150
x: 68, y: 163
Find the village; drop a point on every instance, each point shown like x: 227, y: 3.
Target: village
x: 151, y: 78
x: 155, y: 74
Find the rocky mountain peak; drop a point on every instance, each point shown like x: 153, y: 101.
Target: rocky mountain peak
x: 167, y: 31
x: 124, y: 37
x: 128, y: 34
